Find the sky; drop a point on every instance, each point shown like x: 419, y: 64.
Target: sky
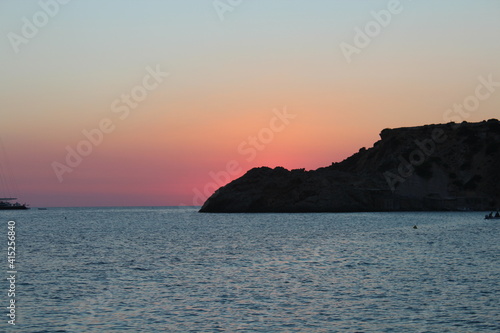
x: 158, y: 103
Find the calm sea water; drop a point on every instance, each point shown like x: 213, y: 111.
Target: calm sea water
x: 176, y: 270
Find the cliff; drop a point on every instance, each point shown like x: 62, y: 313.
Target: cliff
x: 426, y: 168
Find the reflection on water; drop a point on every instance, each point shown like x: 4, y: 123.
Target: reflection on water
x: 171, y: 269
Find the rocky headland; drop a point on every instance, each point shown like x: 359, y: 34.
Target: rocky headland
x: 441, y: 167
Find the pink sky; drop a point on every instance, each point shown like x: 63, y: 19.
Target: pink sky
x: 205, y: 93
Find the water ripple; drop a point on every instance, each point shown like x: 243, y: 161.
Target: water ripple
x: 165, y: 269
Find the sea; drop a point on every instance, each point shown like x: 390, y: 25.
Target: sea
x: 172, y: 269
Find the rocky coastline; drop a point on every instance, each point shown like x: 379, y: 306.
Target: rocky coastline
x: 442, y: 167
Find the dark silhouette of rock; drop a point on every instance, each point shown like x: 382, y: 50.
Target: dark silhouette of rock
x: 426, y: 168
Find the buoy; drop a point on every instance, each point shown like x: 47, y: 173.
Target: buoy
x: 415, y: 227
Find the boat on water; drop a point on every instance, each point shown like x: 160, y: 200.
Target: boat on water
x: 490, y: 216
x: 5, y: 203
x: 7, y: 183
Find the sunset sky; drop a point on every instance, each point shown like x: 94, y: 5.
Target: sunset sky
x: 179, y: 94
